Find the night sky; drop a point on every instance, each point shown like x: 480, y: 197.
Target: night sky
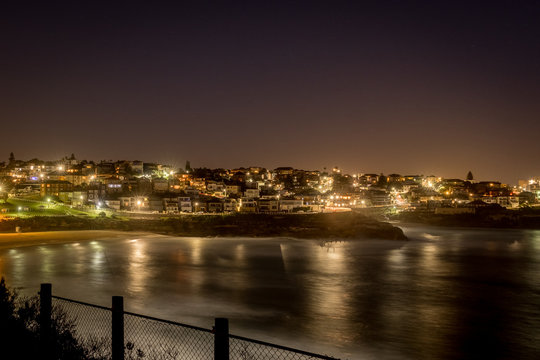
x: 435, y: 87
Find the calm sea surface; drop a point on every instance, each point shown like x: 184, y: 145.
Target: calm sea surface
x: 445, y: 294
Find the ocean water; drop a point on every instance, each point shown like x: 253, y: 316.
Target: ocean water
x: 447, y: 293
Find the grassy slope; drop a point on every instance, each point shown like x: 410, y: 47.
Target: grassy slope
x: 38, y: 208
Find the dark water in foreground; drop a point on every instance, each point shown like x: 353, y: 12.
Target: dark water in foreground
x: 446, y: 294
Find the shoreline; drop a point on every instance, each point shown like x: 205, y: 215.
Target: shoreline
x: 15, y: 240
x: 59, y: 237
x: 317, y: 226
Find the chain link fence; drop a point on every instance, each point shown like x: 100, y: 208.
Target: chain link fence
x: 145, y: 337
x: 91, y: 325
x: 152, y: 338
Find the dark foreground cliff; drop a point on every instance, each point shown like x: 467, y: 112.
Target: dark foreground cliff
x: 339, y: 225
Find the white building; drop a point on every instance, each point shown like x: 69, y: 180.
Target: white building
x: 184, y: 204
x: 289, y: 205
x: 252, y: 193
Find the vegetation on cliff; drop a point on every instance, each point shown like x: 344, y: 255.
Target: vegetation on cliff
x: 502, y: 218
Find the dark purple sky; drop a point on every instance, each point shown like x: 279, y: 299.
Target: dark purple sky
x: 435, y: 87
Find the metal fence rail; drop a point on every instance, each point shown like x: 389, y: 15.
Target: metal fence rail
x: 242, y: 348
x: 112, y: 333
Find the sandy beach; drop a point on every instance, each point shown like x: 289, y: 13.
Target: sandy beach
x: 13, y: 240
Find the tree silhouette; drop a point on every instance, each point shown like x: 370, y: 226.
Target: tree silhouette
x: 383, y: 181
x: 470, y: 176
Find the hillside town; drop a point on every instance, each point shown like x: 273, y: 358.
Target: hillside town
x: 143, y: 187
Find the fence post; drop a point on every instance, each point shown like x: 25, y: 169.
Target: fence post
x: 117, y: 328
x: 221, y: 339
x: 45, y: 310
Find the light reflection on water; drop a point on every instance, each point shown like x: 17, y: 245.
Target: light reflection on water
x: 138, y: 270
x: 447, y: 293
